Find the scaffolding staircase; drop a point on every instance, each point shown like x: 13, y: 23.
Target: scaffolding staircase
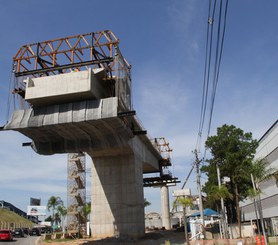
x: 76, y: 215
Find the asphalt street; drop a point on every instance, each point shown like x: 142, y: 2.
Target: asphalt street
x: 29, y: 240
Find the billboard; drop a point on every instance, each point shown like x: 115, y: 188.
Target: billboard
x: 35, y: 201
x: 181, y: 192
x: 36, y: 210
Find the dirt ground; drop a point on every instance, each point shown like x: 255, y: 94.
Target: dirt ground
x: 159, y: 237
x: 152, y: 238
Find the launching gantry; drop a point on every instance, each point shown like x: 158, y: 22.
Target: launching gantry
x: 96, y: 52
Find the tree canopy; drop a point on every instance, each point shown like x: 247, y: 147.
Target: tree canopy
x: 184, y: 202
x: 53, y: 203
x: 233, y: 151
x: 146, y: 203
x: 214, y: 195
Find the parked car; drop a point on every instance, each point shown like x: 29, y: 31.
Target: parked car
x: 6, y: 235
x: 26, y: 231
x: 46, y: 230
x: 18, y: 232
x: 35, y: 232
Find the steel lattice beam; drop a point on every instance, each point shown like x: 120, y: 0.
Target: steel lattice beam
x: 96, y: 49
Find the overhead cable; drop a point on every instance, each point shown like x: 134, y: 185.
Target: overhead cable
x: 209, y: 39
x: 218, y: 59
x: 214, y: 50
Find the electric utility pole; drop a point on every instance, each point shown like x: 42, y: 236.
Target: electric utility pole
x: 223, y: 212
x: 202, y: 228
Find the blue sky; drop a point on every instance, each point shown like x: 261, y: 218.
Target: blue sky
x: 164, y: 41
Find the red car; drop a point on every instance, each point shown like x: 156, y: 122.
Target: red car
x: 6, y: 235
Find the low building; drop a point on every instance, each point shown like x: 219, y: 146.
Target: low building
x: 153, y: 221
x: 268, y: 150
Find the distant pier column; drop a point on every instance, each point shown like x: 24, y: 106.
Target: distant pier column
x: 117, y: 201
x: 165, y: 207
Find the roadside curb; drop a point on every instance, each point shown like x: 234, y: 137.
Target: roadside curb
x: 39, y: 241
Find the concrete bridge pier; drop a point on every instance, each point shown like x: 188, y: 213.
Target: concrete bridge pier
x: 165, y: 207
x: 117, y: 199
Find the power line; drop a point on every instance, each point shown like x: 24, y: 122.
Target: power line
x: 213, y: 51
x: 206, y: 72
x: 218, y: 59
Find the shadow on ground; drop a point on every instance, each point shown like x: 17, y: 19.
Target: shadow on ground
x: 151, y: 238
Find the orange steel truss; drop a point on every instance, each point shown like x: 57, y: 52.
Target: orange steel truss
x: 163, y: 147
x: 95, y: 49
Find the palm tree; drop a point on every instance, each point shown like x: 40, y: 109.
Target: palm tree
x: 57, y: 219
x: 88, y: 208
x: 53, y: 203
x: 217, y: 194
x: 252, y: 194
x: 62, y: 211
x: 146, y: 203
x: 184, y: 202
x: 260, y: 172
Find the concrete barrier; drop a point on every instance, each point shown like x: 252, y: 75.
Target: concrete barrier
x: 57, y: 235
x: 47, y: 236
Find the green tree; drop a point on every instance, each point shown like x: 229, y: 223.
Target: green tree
x: 53, y: 203
x: 57, y: 219
x: 62, y: 212
x: 214, y: 195
x: 233, y: 151
x: 48, y: 219
x: 146, y: 203
x: 260, y: 172
x: 88, y: 208
x: 184, y: 202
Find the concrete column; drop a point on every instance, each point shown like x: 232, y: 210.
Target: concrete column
x: 165, y: 208
x: 117, y: 200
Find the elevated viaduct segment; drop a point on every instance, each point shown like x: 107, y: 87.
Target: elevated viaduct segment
x: 77, y: 96
x: 92, y: 126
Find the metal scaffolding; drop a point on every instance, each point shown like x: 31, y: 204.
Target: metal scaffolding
x: 165, y: 177
x: 56, y: 56
x: 76, y: 189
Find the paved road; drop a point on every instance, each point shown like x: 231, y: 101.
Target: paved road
x: 29, y: 240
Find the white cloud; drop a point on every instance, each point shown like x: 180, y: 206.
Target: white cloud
x: 39, y: 186
x: 187, y: 21
x: 26, y: 174
x: 160, y: 97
